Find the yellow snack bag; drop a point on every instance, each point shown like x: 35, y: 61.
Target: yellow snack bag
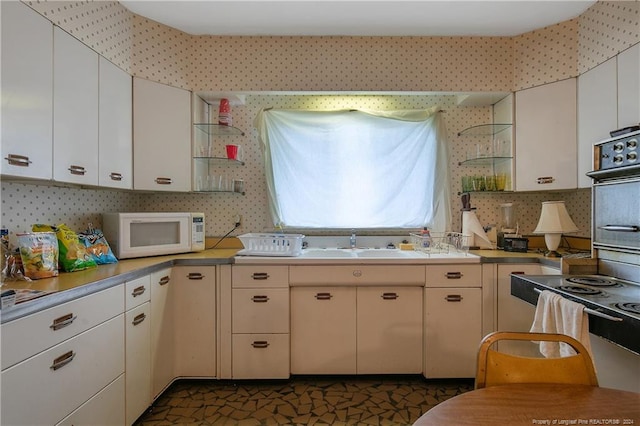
x: 39, y: 254
x: 73, y: 254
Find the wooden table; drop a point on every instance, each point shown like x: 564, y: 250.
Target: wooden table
x: 537, y: 404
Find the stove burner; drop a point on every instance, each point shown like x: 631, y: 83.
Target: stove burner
x: 592, y: 281
x: 576, y: 289
x: 633, y: 307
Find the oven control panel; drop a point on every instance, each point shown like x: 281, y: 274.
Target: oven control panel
x: 617, y: 152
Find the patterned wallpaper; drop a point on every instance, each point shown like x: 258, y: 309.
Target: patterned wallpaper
x: 147, y: 49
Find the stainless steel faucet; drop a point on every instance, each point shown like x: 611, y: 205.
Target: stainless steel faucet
x: 352, y: 240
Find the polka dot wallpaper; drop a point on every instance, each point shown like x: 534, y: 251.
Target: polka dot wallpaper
x: 267, y: 64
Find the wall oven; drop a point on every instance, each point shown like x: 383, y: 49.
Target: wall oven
x: 612, y: 296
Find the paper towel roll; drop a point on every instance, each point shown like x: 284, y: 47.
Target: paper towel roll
x: 472, y: 229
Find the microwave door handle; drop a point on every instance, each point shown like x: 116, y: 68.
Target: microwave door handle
x: 620, y: 228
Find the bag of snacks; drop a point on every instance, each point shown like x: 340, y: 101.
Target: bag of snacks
x: 97, y: 246
x: 39, y: 254
x: 73, y: 254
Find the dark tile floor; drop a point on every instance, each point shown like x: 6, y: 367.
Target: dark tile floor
x: 319, y: 400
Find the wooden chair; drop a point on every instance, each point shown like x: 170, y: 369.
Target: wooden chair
x: 497, y: 368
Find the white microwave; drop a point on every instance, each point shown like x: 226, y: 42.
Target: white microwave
x: 152, y: 234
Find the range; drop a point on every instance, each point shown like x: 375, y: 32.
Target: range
x: 612, y: 296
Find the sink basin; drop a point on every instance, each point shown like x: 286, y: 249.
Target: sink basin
x: 361, y: 253
x: 328, y: 253
x: 389, y: 253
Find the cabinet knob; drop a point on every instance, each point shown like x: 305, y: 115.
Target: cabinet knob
x: 62, y: 360
x: 323, y: 296
x: 453, y: 275
x: 260, y: 276
x: 260, y: 344
x: 164, y: 280
x: 453, y: 298
x: 139, y: 318
x: 260, y: 299
x: 115, y: 176
x: 138, y: 291
x: 18, y: 160
x: 163, y: 181
x: 389, y: 296
x: 195, y: 276
x: 77, y: 170
x: 544, y: 180
x: 62, y: 321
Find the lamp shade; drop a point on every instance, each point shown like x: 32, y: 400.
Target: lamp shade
x: 554, y: 219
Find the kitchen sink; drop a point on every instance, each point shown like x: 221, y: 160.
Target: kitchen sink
x: 328, y: 253
x: 361, y: 253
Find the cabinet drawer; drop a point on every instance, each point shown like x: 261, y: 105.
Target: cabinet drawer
x: 137, y: 292
x: 260, y: 310
x: 260, y: 356
x: 107, y: 405
x: 357, y: 274
x: 52, y: 326
x: 41, y: 394
x: 454, y: 276
x: 259, y: 276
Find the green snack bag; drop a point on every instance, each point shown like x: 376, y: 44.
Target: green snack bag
x: 73, y: 254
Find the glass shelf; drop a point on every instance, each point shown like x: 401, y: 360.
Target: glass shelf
x: 484, y: 130
x: 219, y: 129
x: 219, y: 160
x: 484, y: 161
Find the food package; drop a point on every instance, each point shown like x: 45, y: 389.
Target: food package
x: 97, y: 246
x: 39, y: 254
x: 73, y: 254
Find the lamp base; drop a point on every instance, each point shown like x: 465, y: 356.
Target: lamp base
x: 552, y: 253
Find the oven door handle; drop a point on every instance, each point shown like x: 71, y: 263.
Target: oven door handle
x: 620, y: 228
x: 593, y: 311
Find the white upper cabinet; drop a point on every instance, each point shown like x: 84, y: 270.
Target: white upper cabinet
x: 629, y: 87
x: 115, y: 127
x: 161, y: 137
x: 597, y: 113
x: 27, y: 92
x: 546, y: 137
x: 75, y: 110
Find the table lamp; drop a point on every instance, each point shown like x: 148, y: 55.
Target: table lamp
x: 554, y: 221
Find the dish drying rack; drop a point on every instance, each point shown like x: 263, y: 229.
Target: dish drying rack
x: 257, y: 244
x: 440, y: 242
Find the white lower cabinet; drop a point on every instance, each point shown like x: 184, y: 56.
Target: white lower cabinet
x: 105, y: 408
x: 323, y: 330
x: 137, y: 348
x: 452, y: 320
x: 194, y: 299
x: 48, y: 386
x: 260, y: 322
x: 162, y: 331
x: 389, y: 330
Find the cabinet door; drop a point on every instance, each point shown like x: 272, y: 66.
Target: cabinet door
x: 195, y: 320
x: 161, y: 137
x: 629, y: 87
x: 597, y: 113
x: 137, y: 361
x: 75, y: 110
x: 515, y: 314
x: 115, y: 147
x: 27, y: 92
x: 452, y: 331
x: 546, y: 137
x: 323, y: 330
x: 389, y: 330
x: 260, y: 356
x: 162, y: 331
x: 260, y: 310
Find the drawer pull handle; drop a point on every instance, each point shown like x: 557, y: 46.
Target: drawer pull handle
x: 18, y: 160
x: 324, y: 296
x: 389, y: 296
x: 139, y: 318
x: 453, y: 275
x: 260, y: 344
x: 138, y: 291
x: 260, y: 299
x: 260, y: 276
x: 195, y: 276
x: 115, y: 176
x: 62, y: 360
x: 163, y: 181
x: 545, y: 179
x: 62, y: 322
x: 453, y: 298
x: 518, y: 273
x: 77, y: 170
x: 164, y: 280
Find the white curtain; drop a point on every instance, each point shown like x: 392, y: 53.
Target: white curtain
x: 356, y: 168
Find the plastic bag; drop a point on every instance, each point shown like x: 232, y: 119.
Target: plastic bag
x: 73, y: 254
x: 39, y: 254
x: 97, y: 246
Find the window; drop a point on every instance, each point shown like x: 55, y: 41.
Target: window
x: 355, y: 169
